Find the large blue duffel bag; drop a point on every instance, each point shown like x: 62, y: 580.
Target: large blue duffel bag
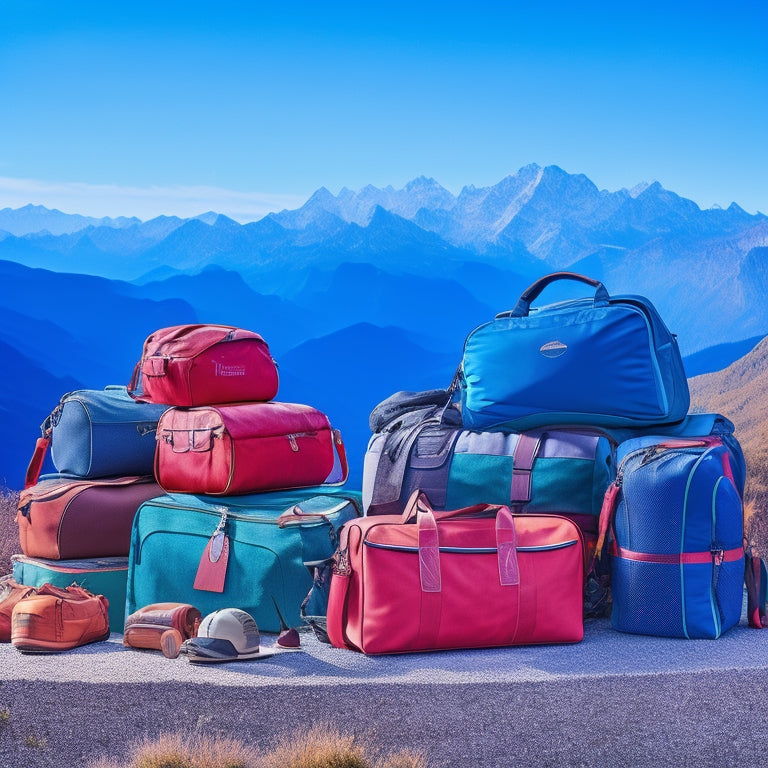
x: 603, y: 361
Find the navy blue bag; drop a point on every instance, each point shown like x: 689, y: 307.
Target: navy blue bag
x: 604, y: 361
x: 98, y: 433
x: 677, y: 556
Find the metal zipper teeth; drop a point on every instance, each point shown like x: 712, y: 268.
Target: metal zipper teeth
x: 473, y: 550
x: 248, y: 518
x: 230, y: 516
x: 658, y: 455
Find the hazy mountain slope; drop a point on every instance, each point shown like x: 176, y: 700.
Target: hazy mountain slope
x: 223, y: 297
x: 740, y: 392
x: 720, y: 356
x: 107, y: 326
x: 437, y: 309
x: 709, y: 291
x: 347, y: 373
x: 28, y: 393
x: 38, y: 218
x: 357, y: 207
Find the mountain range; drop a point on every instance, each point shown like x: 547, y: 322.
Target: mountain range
x: 362, y: 293
x: 706, y: 270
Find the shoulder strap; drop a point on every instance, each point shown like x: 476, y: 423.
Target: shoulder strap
x: 41, y: 448
x: 756, y: 580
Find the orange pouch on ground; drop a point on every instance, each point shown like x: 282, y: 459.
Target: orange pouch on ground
x: 145, y: 627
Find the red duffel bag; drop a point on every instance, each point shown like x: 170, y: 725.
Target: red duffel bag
x: 246, y: 448
x: 476, y: 577
x: 192, y: 365
x: 64, y: 518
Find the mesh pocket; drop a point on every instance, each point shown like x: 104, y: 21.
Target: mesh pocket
x: 729, y: 590
x: 647, y: 599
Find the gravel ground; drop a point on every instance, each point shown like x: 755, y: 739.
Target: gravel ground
x: 612, y: 700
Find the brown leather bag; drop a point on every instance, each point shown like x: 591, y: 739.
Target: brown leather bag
x: 162, y: 627
x: 63, y: 518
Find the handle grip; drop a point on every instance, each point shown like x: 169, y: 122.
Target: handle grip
x: 429, y: 549
x: 530, y: 294
x: 418, y: 502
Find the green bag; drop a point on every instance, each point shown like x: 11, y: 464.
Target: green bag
x: 255, y: 552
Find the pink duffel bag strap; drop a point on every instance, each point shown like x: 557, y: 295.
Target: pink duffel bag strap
x: 429, y: 544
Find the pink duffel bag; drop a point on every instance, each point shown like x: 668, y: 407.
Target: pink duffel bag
x: 189, y: 365
x: 476, y: 577
x: 246, y: 448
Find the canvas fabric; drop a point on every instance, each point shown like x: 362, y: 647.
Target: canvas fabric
x: 252, y: 552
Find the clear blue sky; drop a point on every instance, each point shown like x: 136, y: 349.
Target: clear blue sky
x: 146, y: 107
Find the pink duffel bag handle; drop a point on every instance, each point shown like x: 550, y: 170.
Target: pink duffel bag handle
x: 418, y: 500
x: 429, y: 545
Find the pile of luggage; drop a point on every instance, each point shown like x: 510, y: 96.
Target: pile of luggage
x: 559, y: 477
x: 562, y: 459
x: 192, y: 486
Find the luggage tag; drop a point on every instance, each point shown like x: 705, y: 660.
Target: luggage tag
x: 212, y: 571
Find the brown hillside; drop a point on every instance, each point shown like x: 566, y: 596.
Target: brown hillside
x: 740, y: 392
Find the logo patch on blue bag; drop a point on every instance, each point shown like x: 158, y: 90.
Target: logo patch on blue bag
x: 553, y: 349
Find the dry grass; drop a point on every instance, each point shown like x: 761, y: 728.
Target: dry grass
x: 326, y: 747
x: 320, y: 747
x: 178, y: 751
x: 9, y: 532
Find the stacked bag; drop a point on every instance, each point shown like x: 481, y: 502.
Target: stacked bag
x: 570, y: 417
x: 188, y: 487
x: 75, y: 525
x: 253, y: 499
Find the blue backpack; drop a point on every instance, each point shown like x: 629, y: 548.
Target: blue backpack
x: 604, y: 361
x: 674, y: 513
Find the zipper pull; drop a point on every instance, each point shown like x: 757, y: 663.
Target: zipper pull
x: 718, y: 556
x: 223, y: 521
x: 292, y: 441
x: 341, y: 563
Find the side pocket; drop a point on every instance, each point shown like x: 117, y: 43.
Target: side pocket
x: 336, y: 619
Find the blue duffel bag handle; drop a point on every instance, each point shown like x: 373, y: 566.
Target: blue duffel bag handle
x: 531, y: 293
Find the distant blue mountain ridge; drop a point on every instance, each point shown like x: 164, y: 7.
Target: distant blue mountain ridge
x: 362, y: 293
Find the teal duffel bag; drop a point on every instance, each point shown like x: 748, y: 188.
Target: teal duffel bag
x: 254, y: 552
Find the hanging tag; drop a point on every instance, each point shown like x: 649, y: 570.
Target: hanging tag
x: 212, y: 571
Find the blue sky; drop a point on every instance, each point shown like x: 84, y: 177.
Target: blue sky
x: 141, y: 108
